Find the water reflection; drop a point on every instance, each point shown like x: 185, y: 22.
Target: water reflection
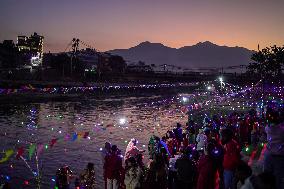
x: 39, y: 123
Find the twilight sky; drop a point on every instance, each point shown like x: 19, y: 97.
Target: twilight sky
x: 110, y: 24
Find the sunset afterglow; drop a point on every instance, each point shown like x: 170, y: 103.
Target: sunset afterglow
x: 121, y: 24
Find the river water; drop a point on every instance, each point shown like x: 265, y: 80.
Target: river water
x: 114, y: 119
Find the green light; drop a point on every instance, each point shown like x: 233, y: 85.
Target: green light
x: 46, y: 146
x: 247, y: 149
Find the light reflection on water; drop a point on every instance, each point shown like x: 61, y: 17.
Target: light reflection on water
x: 26, y: 123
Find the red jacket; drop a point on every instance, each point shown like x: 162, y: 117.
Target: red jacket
x: 231, y: 156
x: 206, y: 173
x: 172, y: 146
x: 185, y: 142
x: 113, y: 166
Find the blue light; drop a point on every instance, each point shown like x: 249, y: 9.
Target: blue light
x: 7, y: 177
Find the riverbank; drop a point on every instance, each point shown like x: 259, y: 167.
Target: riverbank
x: 130, y: 79
x: 46, y: 121
x: 41, y: 92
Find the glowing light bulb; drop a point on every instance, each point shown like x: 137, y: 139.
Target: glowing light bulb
x: 122, y: 121
x: 184, y: 99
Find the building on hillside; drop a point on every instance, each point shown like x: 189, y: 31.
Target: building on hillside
x: 201, y: 71
x: 138, y: 68
x: 32, y: 48
x: 89, y: 58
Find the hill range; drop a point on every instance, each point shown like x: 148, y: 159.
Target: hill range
x: 202, y: 54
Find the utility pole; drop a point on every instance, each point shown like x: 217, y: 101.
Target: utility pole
x: 75, y: 48
x: 63, y: 70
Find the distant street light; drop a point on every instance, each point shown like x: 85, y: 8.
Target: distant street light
x: 221, y: 81
x: 122, y: 121
x: 184, y: 99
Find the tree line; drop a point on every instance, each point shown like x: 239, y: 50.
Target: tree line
x: 268, y: 62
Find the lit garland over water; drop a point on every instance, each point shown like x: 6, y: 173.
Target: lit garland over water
x: 70, y: 90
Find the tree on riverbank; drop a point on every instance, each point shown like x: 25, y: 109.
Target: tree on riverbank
x: 59, y: 62
x: 117, y: 64
x: 268, y: 62
x: 9, y: 55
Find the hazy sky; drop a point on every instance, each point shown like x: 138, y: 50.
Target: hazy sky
x: 110, y: 24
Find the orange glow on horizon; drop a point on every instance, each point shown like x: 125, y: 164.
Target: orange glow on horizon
x: 112, y: 24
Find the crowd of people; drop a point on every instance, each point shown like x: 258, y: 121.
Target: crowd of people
x: 207, y: 156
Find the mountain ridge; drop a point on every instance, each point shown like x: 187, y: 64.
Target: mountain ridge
x: 202, y: 54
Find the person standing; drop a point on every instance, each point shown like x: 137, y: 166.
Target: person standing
x: 172, y: 144
x: 87, y: 178
x: 274, y: 156
x: 201, y: 140
x: 63, y: 177
x: 133, y: 175
x: 164, y: 145
x: 231, y: 158
x: 153, y: 146
x: 132, y: 150
x: 157, y: 174
x: 172, y: 178
x: 207, y: 167
x: 178, y: 133
x: 105, y: 152
x: 186, y: 171
x: 113, y: 168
